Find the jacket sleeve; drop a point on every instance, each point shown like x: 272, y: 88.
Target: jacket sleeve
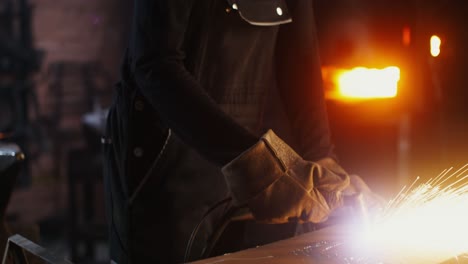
x: 300, y: 82
x: 157, y: 64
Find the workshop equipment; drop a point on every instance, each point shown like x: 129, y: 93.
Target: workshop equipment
x: 19, y: 60
x: 18, y: 246
x: 11, y: 158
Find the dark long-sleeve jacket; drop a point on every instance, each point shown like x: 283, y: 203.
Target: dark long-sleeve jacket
x: 205, y: 69
x: 192, y: 59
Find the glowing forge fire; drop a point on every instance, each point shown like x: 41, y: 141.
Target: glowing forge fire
x: 363, y: 83
x: 435, y: 46
x: 423, y: 224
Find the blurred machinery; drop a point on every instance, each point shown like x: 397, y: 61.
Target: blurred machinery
x: 11, y: 159
x: 75, y: 89
x: 20, y: 250
x: 78, y: 90
x: 18, y: 61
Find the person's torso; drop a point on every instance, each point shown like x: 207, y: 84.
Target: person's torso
x: 231, y: 52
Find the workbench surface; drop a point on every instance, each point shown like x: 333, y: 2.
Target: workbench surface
x: 301, y: 249
x: 324, y: 246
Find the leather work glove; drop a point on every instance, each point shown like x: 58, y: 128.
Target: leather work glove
x: 370, y: 200
x: 279, y: 186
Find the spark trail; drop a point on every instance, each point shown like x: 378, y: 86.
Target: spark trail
x: 425, y: 223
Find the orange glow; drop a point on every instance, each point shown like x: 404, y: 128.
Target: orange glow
x: 435, y: 46
x: 366, y: 83
x: 406, y: 36
x: 424, y: 223
x: 3, y: 135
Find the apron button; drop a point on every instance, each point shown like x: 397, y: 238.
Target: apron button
x: 138, y: 152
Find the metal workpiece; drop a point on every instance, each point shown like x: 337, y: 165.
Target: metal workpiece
x: 18, y: 245
x: 309, y: 248
x: 337, y: 244
x: 11, y: 158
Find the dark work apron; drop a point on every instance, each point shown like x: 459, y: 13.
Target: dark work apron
x: 157, y: 187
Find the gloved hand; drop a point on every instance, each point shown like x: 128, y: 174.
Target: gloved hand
x: 279, y: 186
x: 371, y: 200
x: 357, y: 196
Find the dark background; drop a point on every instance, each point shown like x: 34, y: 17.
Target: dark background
x: 73, y: 51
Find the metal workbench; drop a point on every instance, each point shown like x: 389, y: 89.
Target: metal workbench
x: 324, y: 246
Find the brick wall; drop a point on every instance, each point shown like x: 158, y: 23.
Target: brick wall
x: 75, y: 31
x: 81, y: 31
